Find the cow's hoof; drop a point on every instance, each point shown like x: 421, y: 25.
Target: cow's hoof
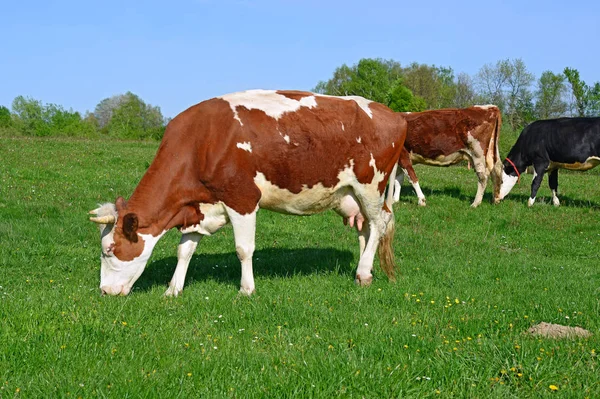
x: 475, y: 204
x: 530, y: 202
x: 173, y: 291
x: 247, y: 291
x: 422, y: 202
x: 363, y: 281
x: 555, y: 202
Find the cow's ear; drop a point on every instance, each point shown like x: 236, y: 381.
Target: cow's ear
x: 130, y: 226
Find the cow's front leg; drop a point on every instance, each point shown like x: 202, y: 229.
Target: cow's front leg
x: 244, y: 231
x: 553, y: 183
x: 185, y: 251
x: 538, y: 176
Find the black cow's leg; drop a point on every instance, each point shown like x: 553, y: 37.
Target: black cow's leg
x: 553, y: 183
x: 539, y: 169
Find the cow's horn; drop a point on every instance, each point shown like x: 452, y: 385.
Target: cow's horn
x: 103, y: 219
x: 94, y: 211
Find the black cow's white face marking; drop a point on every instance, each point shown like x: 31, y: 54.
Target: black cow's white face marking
x: 508, y: 182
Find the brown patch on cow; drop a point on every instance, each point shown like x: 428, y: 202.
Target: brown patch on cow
x: 294, y: 94
x: 124, y: 249
x: 548, y: 330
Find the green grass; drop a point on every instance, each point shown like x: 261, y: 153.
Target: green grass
x: 472, y: 281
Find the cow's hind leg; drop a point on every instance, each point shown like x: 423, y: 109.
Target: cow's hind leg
x: 407, y: 168
x: 553, y: 183
x: 185, y: 251
x: 244, y: 231
x: 538, y: 170
x: 482, y: 178
x: 380, y: 219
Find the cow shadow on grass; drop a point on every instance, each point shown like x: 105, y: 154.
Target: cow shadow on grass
x: 457, y: 193
x: 452, y: 192
x: 271, y: 262
x: 565, y: 201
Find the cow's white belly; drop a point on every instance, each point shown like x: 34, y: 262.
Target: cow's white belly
x: 307, y: 202
x: 442, y: 160
x: 589, y: 163
x: 318, y: 198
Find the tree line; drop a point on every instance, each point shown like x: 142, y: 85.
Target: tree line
x: 124, y: 116
x: 416, y: 87
x: 507, y: 84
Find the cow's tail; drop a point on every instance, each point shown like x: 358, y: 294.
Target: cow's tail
x: 386, y: 247
x: 497, y: 167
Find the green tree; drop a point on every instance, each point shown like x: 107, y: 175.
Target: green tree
x: 433, y: 84
x: 5, y: 118
x: 519, y: 98
x: 376, y: 79
x: 29, y: 116
x: 490, y: 81
x: 578, y: 90
x: 550, y: 94
x: 401, y: 99
x: 132, y: 118
x: 507, y: 85
x: 465, y: 93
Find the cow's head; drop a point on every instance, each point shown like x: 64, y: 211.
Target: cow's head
x: 125, y: 252
x: 511, y: 174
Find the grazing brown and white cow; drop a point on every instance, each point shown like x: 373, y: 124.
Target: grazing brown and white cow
x: 447, y: 136
x: 221, y: 160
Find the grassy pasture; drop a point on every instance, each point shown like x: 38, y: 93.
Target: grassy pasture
x: 472, y: 281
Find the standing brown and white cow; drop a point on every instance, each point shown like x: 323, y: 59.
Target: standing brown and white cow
x: 447, y: 136
x: 221, y: 160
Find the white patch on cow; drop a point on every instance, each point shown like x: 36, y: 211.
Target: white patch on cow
x: 246, y: 146
x: 589, y: 163
x: 508, y: 182
x: 393, y: 145
x: 531, y: 201
x: 486, y: 106
x: 286, y: 138
x: 343, y: 128
x: 555, y: 200
x: 441, y: 160
x: 117, y: 276
x: 215, y: 217
x: 269, y: 101
x: 358, y: 139
x: 421, y: 197
x: 318, y: 198
x: 362, y: 102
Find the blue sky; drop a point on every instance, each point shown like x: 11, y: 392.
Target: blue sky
x: 177, y: 53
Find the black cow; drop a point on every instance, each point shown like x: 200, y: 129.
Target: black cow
x: 549, y: 145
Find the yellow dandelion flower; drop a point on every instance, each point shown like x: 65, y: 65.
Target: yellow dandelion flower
x: 553, y: 388
x: 189, y: 374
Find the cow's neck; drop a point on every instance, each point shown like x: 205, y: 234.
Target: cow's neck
x: 162, y: 195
